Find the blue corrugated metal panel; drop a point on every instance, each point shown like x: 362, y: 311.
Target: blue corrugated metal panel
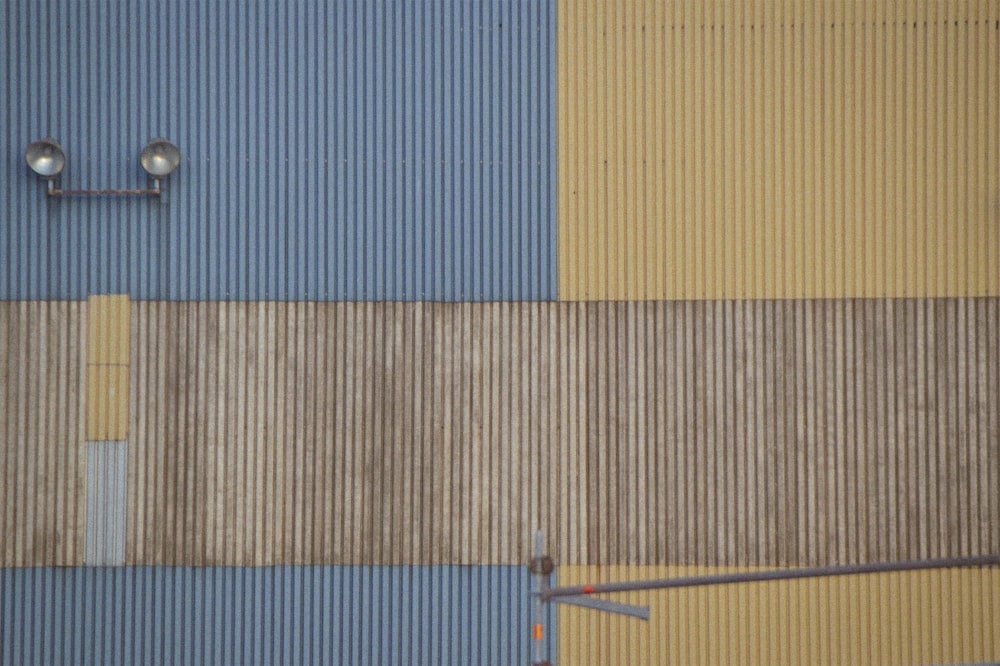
x: 340, y: 150
x: 267, y: 615
x: 107, y: 478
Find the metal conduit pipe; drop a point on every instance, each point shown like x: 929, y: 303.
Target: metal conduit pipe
x: 779, y: 574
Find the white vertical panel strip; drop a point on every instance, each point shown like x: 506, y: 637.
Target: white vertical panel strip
x: 107, y: 470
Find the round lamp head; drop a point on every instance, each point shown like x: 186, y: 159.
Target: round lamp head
x: 159, y: 158
x: 45, y: 157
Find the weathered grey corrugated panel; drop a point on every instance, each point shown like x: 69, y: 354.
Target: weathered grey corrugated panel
x: 332, y: 150
x: 107, y: 472
x: 266, y: 615
x: 41, y: 433
x: 720, y: 432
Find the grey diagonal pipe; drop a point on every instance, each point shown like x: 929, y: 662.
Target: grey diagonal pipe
x: 779, y: 574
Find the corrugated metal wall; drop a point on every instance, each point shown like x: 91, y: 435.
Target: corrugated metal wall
x: 923, y: 617
x: 791, y: 150
x: 788, y: 149
x: 265, y: 615
x: 331, y: 150
x: 736, y: 432
x: 42, y: 416
x: 108, y: 345
x: 406, y: 151
x: 107, y: 503
x: 739, y: 433
x: 753, y: 432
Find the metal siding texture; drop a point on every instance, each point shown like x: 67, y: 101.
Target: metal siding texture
x: 107, y: 474
x: 108, y: 321
x: 789, y: 149
x: 927, y: 617
x: 719, y: 433
x: 107, y: 349
x: 107, y: 402
x: 42, y: 460
x: 331, y: 150
x: 265, y: 615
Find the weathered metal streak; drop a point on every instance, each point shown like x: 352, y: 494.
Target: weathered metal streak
x: 731, y: 432
x: 42, y: 460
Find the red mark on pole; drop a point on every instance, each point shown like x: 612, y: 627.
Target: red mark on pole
x: 538, y: 632
x: 588, y: 589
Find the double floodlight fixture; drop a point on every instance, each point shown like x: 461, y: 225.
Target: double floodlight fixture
x: 46, y: 158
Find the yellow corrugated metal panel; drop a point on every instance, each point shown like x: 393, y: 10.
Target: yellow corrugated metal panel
x: 108, y: 358
x: 108, y: 329
x: 107, y: 402
x: 42, y: 462
x: 944, y: 616
x: 778, y: 149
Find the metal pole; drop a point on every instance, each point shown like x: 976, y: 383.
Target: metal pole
x: 758, y: 576
x: 541, y: 586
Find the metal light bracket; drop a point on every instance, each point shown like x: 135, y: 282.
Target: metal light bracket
x: 153, y: 191
x: 46, y: 158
